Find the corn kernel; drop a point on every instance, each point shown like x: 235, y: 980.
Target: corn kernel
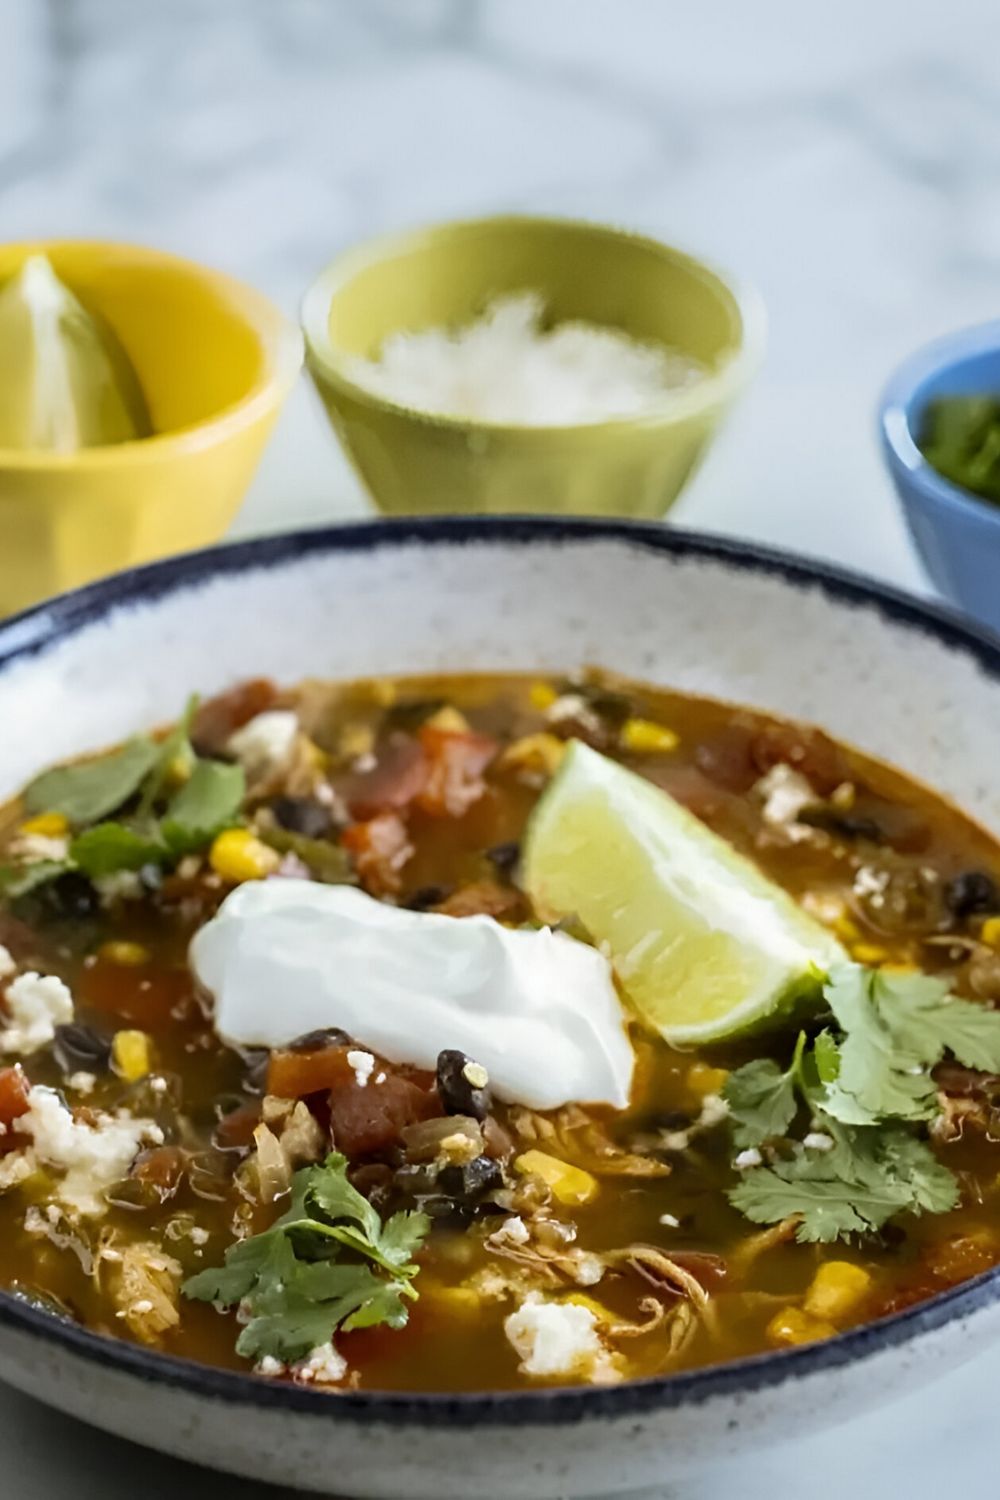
x: 127, y: 955
x: 836, y: 1290
x: 448, y: 720
x: 793, y: 1326
x: 542, y: 695
x: 49, y: 825
x: 844, y: 796
x: 869, y: 953
x: 535, y: 752
x: 131, y: 1054
x: 990, y: 932
x: 237, y: 855
x: 846, y: 929
x: 701, y: 1079
x: 179, y: 769
x: 570, y: 1185
x: 458, y: 1301
x: 646, y: 738
x: 383, y: 691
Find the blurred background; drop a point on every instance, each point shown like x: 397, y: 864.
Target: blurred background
x: 845, y: 158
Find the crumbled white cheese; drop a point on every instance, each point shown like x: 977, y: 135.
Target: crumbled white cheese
x: 7, y: 964
x: 751, y: 1157
x: 558, y: 1338
x: 363, y: 1064
x: 197, y: 1235
x: 786, y: 795
x: 140, y: 1308
x: 90, y: 1158
x: 714, y: 1110
x: 265, y: 744
x: 324, y: 1366
x: 670, y: 1220
x: 82, y: 1083
x: 36, y: 1004
x: 268, y: 1365
x: 507, y: 366
x: 513, y: 1231
x: 586, y: 1269
x: 120, y: 885
x: 818, y: 1140
x: 871, y: 883
x: 573, y: 706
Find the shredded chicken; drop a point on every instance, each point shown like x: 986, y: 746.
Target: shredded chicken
x: 574, y: 1136
x: 660, y: 1271
x: 289, y: 1136
x: 145, y: 1284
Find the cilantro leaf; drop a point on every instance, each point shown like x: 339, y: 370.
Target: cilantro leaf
x: 87, y: 792
x: 208, y: 801
x: 762, y: 1101
x: 108, y: 847
x: 869, y: 1176
x: 291, y: 1282
x: 897, y: 1027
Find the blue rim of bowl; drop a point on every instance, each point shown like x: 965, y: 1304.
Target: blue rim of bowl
x: 895, y: 414
x: 28, y: 633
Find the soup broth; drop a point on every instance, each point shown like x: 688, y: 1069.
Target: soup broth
x: 419, y: 792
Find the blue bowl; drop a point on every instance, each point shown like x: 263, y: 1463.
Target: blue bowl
x: 956, y: 533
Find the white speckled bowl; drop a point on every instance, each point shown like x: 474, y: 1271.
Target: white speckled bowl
x: 896, y: 678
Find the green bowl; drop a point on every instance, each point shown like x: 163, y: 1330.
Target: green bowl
x: 414, y: 462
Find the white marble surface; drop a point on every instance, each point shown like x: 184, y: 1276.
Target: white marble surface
x: 845, y: 157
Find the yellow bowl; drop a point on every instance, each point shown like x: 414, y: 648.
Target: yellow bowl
x: 215, y: 360
x: 413, y: 461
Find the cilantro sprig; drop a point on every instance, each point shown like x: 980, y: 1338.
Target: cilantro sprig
x: 292, y: 1282
x: 864, y: 1088
x: 158, y: 829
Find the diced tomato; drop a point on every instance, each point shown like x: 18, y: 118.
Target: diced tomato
x: 13, y: 1095
x: 399, y: 775
x: 456, y: 763
x: 807, y: 750
x: 368, y: 1118
x: 234, y: 1131
x: 292, y: 1075
x: 161, y: 1169
x: 380, y: 848
x: 217, y: 718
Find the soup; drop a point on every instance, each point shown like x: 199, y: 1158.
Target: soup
x: 331, y: 1052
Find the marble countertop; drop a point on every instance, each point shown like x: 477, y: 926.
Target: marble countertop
x: 845, y: 158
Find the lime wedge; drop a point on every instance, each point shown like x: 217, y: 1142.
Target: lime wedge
x: 65, y: 381
x: 703, y: 944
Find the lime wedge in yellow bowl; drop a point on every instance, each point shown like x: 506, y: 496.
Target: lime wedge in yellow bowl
x: 703, y: 944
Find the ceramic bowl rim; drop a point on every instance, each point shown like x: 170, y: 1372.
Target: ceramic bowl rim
x: 274, y: 333
x: 896, y: 415
x: 721, y: 385
x: 24, y: 635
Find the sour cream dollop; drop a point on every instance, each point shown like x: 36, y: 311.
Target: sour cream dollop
x: 537, y: 1009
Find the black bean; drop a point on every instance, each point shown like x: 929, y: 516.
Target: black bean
x: 504, y: 858
x: 70, y: 896
x: 81, y: 1049
x: 302, y: 815
x: 409, y: 713
x: 463, y: 1085
x: 471, y: 1181
x: 315, y: 1041
x: 429, y: 895
x: 971, y: 893
x: 843, y: 825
